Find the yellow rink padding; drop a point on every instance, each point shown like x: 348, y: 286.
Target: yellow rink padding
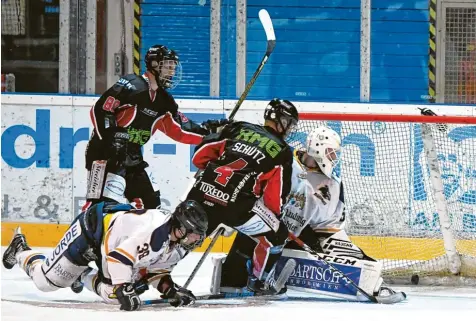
x: 395, y: 248
x: 48, y: 235
x: 401, y: 248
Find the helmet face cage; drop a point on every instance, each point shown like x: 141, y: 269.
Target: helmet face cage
x: 191, y: 217
x: 283, y: 113
x: 193, y: 245
x: 323, y: 144
x: 288, y: 124
x: 165, y: 65
x: 168, y: 73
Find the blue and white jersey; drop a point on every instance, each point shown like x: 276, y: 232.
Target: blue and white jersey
x: 138, y: 240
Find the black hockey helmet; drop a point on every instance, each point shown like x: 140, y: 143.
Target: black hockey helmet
x: 283, y: 113
x: 191, y: 216
x: 164, y: 63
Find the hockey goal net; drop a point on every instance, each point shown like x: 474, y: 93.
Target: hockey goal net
x: 410, y: 190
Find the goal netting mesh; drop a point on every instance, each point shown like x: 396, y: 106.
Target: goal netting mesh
x: 392, y: 205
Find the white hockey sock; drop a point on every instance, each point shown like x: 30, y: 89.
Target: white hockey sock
x: 28, y: 259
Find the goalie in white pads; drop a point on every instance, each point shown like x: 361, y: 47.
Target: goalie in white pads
x: 314, y: 211
x: 122, y: 241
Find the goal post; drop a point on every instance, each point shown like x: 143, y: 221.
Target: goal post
x: 409, y: 189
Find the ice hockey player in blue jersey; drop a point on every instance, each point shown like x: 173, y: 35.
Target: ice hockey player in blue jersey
x: 122, y: 241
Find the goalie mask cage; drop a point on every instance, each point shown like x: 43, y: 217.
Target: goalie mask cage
x: 410, y: 191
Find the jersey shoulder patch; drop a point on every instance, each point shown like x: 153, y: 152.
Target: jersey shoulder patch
x: 133, y: 83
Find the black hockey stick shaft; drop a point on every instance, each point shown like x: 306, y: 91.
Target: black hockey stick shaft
x: 307, y: 248
x: 271, y: 43
x: 207, y: 297
x: 252, y: 80
x: 204, y: 256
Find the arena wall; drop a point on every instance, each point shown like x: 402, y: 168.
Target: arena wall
x: 43, y: 145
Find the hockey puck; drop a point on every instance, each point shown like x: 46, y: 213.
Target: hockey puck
x: 415, y: 279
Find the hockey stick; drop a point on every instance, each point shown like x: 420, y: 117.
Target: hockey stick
x: 209, y: 297
x: 278, y: 285
x: 271, y: 43
x: 281, y: 280
x: 393, y: 298
x: 204, y: 256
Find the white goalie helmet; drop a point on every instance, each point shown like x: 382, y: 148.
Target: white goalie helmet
x: 323, y: 144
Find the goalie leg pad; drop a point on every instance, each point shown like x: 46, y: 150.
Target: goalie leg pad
x: 311, y: 274
x: 280, y: 275
x: 217, y: 262
x: 339, y: 244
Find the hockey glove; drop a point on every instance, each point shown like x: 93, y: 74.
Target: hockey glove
x: 127, y: 297
x: 215, y: 126
x: 141, y: 286
x: 180, y: 295
x: 119, y: 144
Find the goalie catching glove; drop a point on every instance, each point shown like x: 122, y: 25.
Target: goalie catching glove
x: 178, y: 294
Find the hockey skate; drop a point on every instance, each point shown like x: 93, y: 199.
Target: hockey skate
x: 272, y: 285
x: 17, y: 245
x: 78, y: 284
x: 387, y: 295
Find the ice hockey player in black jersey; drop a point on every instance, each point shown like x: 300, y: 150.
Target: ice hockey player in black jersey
x: 244, y: 183
x: 124, y: 119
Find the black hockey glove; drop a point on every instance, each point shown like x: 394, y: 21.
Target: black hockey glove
x: 141, y: 286
x: 127, y: 297
x: 119, y: 144
x: 180, y: 295
x: 214, y: 125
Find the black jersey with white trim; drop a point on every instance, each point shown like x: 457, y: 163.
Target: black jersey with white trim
x: 242, y: 163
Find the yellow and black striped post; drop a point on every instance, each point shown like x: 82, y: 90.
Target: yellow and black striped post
x: 137, y: 37
x: 432, y: 58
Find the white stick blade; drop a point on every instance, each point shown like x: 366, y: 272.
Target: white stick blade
x: 267, y: 24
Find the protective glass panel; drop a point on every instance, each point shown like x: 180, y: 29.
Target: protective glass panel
x: 30, y: 46
x: 460, y: 55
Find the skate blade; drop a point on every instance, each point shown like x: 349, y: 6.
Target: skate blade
x: 392, y: 299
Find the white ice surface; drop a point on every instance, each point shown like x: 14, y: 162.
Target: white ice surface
x: 21, y: 302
